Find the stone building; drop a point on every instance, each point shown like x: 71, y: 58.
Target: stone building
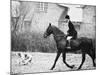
x: 88, y: 26
x: 36, y: 16
x: 40, y: 14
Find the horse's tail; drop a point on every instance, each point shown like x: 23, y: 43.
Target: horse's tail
x: 93, y: 47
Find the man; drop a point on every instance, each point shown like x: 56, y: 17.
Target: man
x: 71, y: 33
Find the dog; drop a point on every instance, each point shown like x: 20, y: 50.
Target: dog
x: 25, y: 58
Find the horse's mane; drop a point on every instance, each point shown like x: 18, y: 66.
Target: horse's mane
x: 57, y: 30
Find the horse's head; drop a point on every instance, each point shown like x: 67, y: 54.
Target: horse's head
x: 48, y: 31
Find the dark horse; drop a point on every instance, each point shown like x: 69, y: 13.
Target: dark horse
x: 84, y: 44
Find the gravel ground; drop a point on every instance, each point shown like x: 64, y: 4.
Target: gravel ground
x: 42, y: 62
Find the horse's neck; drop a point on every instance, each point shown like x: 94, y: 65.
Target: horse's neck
x: 58, y: 34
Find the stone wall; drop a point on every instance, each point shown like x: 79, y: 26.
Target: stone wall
x: 41, y: 19
x: 88, y: 26
x: 39, y: 15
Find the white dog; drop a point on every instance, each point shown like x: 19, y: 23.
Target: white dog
x: 25, y: 58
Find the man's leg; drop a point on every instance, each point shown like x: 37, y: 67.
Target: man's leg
x: 68, y: 39
x: 68, y: 44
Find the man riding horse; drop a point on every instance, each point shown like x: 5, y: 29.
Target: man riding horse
x: 71, y: 33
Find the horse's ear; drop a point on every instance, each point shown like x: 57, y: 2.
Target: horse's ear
x: 49, y: 24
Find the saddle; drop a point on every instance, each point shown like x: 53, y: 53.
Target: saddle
x: 72, y: 43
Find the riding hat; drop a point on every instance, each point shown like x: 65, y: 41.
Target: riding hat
x: 67, y: 17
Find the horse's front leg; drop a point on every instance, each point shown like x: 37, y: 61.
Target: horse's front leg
x: 64, y: 60
x: 83, y: 59
x: 58, y: 54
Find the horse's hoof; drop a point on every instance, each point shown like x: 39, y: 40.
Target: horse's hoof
x: 72, y: 66
x: 78, y: 68
x: 51, y: 69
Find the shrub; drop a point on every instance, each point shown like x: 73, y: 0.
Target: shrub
x: 33, y: 42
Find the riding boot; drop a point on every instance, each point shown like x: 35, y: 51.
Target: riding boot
x: 68, y: 46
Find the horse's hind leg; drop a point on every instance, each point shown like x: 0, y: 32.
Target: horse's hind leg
x: 93, y: 59
x: 93, y: 56
x: 64, y: 60
x: 58, y: 54
x: 83, y: 59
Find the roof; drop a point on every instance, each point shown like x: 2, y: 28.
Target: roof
x: 75, y: 11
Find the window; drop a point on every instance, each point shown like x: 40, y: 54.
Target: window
x: 42, y: 7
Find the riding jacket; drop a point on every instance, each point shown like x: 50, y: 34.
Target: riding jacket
x: 71, y: 31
